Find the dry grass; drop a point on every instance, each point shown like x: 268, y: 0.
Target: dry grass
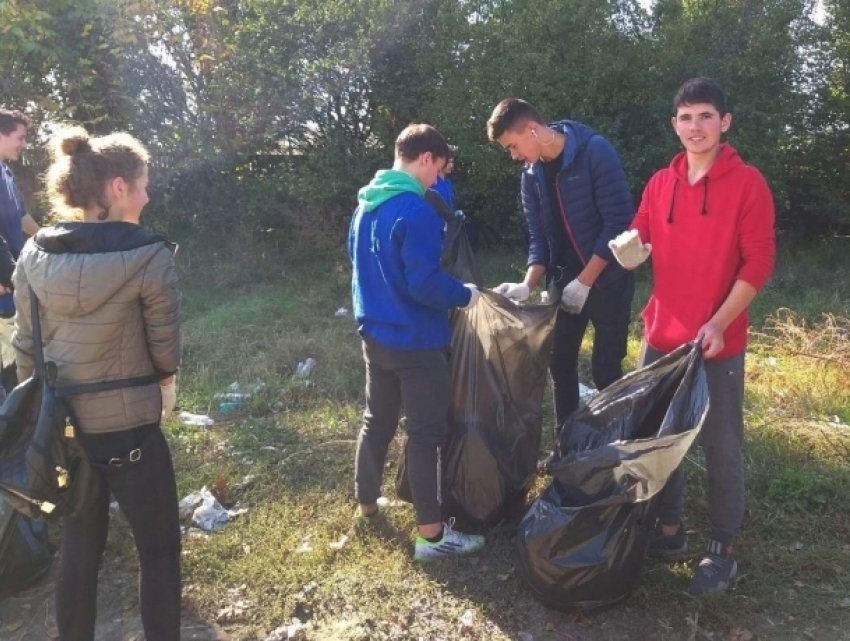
x: 284, y: 559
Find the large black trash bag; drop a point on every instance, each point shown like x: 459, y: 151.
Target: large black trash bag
x: 499, y: 361
x: 582, y: 543
x: 25, y: 553
x: 457, y: 258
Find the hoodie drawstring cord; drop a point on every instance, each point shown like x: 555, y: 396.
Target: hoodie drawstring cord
x: 704, y: 200
x: 672, y: 202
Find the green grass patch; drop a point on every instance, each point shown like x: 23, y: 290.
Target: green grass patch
x: 288, y: 456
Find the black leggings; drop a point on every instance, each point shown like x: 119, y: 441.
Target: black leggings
x: 147, y: 494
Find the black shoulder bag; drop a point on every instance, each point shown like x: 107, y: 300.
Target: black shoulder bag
x: 44, y: 472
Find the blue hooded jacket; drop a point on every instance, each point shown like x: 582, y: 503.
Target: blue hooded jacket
x: 401, y: 295
x: 595, y: 205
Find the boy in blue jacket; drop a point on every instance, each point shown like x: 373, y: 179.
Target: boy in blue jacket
x: 401, y: 303
x: 576, y: 199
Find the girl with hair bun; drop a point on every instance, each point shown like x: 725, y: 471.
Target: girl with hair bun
x: 110, y: 318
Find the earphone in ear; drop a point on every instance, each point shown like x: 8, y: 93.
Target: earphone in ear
x: 534, y: 133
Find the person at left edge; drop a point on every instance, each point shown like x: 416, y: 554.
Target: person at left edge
x: 15, y: 222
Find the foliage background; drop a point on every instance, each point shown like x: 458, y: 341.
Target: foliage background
x: 265, y: 116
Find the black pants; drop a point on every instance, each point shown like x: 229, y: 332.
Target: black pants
x: 421, y: 381
x: 147, y: 495
x: 609, y: 309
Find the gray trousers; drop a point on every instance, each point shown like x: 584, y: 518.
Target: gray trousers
x: 421, y: 382
x: 722, y: 441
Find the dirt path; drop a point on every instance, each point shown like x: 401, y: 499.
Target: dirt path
x: 30, y: 616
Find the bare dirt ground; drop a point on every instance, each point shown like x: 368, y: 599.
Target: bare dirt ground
x: 29, y: 616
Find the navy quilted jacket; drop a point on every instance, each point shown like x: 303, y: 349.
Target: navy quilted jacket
x: 595, y: 204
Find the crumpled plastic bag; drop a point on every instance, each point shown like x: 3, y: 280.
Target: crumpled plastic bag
x: 207, y: 513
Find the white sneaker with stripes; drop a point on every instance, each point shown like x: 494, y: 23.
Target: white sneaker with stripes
x: 453, y: 543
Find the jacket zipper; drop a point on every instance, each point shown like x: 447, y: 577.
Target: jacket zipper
x: 564, y: 218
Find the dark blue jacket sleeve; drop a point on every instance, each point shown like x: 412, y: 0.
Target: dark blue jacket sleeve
x: 7, y: 264
x: 538, y: 244
x: 611, y: 193
x: 421, y: 237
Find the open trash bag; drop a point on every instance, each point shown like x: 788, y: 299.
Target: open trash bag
x: 582, y: 543
x: 499, y: 360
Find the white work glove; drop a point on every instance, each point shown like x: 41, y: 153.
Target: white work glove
x: 574, y: 296
x: 517, y: 292
x: 474, y: 295
x: 628, y: 250
x: 169, y: 397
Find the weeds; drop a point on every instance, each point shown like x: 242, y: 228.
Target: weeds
x: 296, y: 443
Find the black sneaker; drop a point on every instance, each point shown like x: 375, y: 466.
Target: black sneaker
x: 715, y: 572
x: 672, y: 547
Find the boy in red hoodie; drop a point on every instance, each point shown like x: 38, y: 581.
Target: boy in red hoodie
x: 708, y: 221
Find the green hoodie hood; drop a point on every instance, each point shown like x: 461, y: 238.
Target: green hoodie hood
x: 386, y: 184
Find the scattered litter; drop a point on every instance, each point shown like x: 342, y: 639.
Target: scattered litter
x: 771, y: 361
x: 342, y: 311
x: 467, y: 621
x: 250, y: 388
x: 844, y: 604
x: 524, y: 636
x: 740, y: 634
x: 340, y: 543
x: 236, y: 396
x: 586, y: 393
x: 188, y: 418
x: 304, y: 368
x: 207, y: 513
x: 246, y: 481
x: 796, y: 547
x: 292, y: 632
x: 307, y: 589
x: 544, y: 298
x: 305, y: 547
x: 269, y: 448
x: 114, y: 509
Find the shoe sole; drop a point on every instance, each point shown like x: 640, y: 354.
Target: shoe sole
x: 431, y: 559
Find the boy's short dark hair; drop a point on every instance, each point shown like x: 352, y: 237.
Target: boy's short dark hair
x: 10, y: 120
x: 511, y: 114
x: 415, y: 140
x: 698, y: 90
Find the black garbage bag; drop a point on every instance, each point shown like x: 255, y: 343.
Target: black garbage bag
x: 457, y: 258
x: 25, y: 552
x: 582, y: 543
x: 499, y: 361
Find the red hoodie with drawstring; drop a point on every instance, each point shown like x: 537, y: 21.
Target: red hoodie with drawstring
x: 704, y: 237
